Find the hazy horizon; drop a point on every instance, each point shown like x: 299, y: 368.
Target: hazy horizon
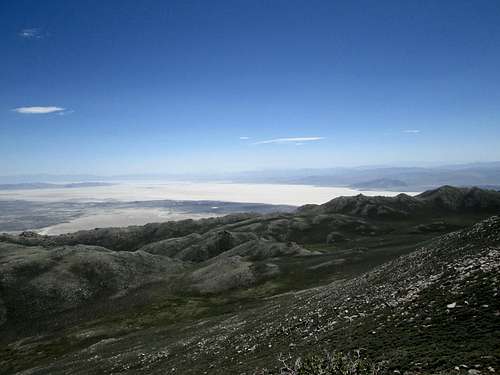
x: 27, y: 177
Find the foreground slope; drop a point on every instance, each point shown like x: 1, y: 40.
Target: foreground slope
x: 427, y: 311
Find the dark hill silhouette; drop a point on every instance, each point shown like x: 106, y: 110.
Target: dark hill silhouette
x: 445, y: 198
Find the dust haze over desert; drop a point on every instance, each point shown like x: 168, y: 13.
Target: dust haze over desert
x: 249, y: 187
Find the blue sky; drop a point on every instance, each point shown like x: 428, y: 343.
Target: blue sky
x: 187, y: 86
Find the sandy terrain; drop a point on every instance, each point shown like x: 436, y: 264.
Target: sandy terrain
x: 228, y: 192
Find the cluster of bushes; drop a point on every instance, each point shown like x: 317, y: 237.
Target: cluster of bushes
x: 335, y: 363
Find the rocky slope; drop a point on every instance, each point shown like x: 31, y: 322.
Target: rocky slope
x: 434, y: 310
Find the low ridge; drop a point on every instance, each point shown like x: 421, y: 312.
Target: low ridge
x: 445, y: 198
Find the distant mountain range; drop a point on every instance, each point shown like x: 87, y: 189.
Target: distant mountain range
x: 395, y: 178
x: 380, y: 183
x: 45, y: 185
x: 411, y: 179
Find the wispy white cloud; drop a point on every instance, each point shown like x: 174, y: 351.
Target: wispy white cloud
x: 65, y: 113
x: 38, y: 110
x: 297, y: 140
x: 411, y: 131
x: 244, y: 138
x: 33, y: 33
